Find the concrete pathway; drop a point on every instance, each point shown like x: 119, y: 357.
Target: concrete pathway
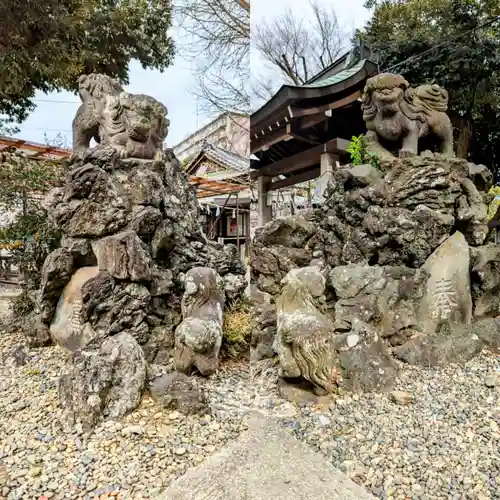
x: 265, y: 463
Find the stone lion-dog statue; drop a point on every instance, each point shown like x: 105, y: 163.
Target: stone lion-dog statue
x: 396, y: 113
x: 305, y: 340
x: 198, y: 338
x: 123, y: 124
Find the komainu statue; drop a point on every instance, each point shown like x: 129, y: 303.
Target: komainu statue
x: 305, y: 337
x: 199, y: 337
x: 127, y: 125
x: 396, y: 113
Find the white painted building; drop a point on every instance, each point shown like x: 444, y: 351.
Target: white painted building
x: 228, y: 131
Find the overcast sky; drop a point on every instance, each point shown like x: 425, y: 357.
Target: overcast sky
x: 171, y: 87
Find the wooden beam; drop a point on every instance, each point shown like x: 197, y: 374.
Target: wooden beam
x: 296, y: 179
x: 300, y: 112
x: 265, y: 141
x: 303, y: 159
x: 294, y: 129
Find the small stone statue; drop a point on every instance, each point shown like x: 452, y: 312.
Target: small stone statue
x: 199, y: 337
x: 396, y: 113
x: 305, y: 337
x: 127, y: 125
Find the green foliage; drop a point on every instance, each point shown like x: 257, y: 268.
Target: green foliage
x: 46, y: 45
x: 237, y: 328
x: 30, y: 237
x: 22, y: 305
x: 20, y: 175
x: 32, y: 372
x: 468, y: 67
x: 495, y: 203
x: 185, y: 162
x: 359, y: 153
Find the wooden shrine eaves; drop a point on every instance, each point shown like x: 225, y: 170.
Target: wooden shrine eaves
x: 304, y: 159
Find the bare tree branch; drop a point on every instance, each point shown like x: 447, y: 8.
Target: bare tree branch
x: 294, y: 48
x: 218, y: 42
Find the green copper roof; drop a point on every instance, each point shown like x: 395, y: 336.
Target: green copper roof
x: 339, y: 77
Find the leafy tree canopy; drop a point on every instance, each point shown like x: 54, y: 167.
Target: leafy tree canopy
x: 467, y: 66
x: 46, y: 45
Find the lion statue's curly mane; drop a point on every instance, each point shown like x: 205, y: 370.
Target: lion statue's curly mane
x: 305, y: 337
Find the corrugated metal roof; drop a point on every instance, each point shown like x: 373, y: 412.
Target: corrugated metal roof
x: 206, y: 188
x: 33, y: 149
x: 339, y: 77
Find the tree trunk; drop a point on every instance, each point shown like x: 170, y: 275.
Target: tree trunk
x: 463, y: 124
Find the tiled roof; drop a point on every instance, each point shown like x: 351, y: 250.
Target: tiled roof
x: 339, y: 77
x: 223, y: 157
x: 227, y: 157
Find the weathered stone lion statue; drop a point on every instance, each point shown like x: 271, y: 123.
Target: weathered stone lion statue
x: 396, y: 113
x: 127, y: 125
x: 199, y: 337
x: 305, y: 337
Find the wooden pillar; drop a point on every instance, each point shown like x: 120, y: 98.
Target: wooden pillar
x: 265, y: 214
x: 328, y: 163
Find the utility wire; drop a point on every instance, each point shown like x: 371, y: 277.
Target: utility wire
x: 417, y: 56
x: 56, y: 101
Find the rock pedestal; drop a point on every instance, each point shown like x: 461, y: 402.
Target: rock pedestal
x: 410, y: 275
x: 130, y: 224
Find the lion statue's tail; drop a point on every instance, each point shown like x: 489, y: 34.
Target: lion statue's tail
x: 314, y: 356
x: 431, y: 98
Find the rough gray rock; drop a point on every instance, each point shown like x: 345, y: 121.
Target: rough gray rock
x: 485, y: 278
x: 402, y: 219
x: 387, y: 297
x: 123, y: 256
x: 482, y: 177
x: 457, y: 346
x: 363, y: 175
x: 283, y: 244
x: 365, y: 363
x: 92, y: 206
x: 488, y: 330
x: 176, y: 391
x: 234, y: 286
x: 105, y: 382
x: 403, y: 250
x: 111, y: 307
x: 264, y: 330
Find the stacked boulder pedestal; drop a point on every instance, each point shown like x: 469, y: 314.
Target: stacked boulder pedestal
x: 112, y: 292
x: 409, y: 274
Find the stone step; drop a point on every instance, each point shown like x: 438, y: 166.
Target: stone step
x: 265, y: 463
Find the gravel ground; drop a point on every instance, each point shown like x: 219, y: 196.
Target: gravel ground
x: 442, y: 445
x: 134, y: 458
